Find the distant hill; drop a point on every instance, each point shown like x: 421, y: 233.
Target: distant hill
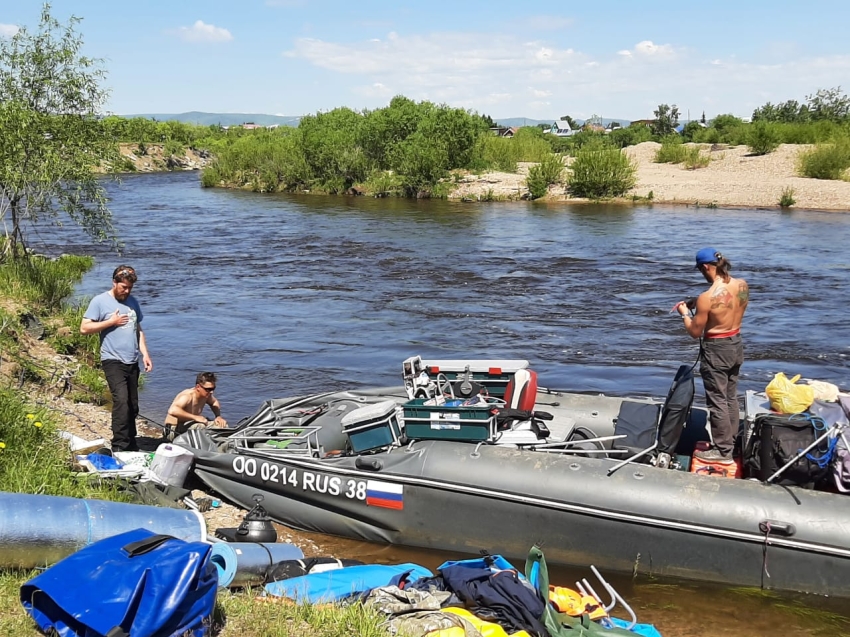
x: 224, y: 119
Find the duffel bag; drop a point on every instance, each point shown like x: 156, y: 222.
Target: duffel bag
x: 777, y: 438
x: 135, y: 584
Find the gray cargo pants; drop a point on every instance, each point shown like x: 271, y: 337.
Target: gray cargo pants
x: 720, y: 365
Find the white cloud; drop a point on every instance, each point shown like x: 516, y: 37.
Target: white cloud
x: 8, y: 30
x: 503, y: 75
x: 203, y: 32
x: 648, y: 47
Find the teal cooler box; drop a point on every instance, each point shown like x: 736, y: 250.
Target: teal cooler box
x: 439, y: 422
x: 373, y: 427
x: 494, y: 375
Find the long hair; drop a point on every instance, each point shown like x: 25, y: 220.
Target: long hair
x: 723, y: 267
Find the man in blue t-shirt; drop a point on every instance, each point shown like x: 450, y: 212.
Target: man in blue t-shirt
x: 117, y: 317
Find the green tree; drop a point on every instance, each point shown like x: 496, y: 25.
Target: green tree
x: 702, y: 119
x: 829, y: 104
x: 52, y: 139
x: 666, y: 120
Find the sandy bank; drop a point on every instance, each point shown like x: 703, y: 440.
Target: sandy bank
x: 733, y: 178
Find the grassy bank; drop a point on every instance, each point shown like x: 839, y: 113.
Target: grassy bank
x: 36, y: 324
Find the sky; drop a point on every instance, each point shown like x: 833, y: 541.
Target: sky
x: 534, y: 59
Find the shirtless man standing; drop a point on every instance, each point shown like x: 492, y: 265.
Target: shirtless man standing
x: 718, y: 313
x: 186, y: 408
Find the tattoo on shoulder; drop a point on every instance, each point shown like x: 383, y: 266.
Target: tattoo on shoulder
x: 721, y: 298
x: 743, y: 292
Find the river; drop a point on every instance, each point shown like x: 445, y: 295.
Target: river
x: 283, y: 295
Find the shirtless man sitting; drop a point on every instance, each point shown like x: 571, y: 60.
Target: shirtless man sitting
x: 187, y: 407
x: 718, y: 313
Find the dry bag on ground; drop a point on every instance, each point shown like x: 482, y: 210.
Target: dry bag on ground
x: 136, y: 584
x: 776, y: 439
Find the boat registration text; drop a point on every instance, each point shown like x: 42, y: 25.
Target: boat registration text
x: 300, y: 479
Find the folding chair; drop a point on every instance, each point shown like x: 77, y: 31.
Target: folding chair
x: 652, y: 431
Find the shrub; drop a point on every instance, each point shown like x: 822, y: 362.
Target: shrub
x: 671, y: 152
x: 826, y: 161
x: 787, y: 199
x: 174, y: 147
x: 763, y: 138
x: 694, y: 159
x: 549, y: 171
x: 600, y: 171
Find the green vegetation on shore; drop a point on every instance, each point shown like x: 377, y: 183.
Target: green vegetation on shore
x: 34, y: 459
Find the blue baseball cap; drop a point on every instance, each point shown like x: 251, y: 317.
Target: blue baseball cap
x: 707, y: 255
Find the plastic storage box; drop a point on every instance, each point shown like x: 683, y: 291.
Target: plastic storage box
x: 172, y: 463
x: 469, y: 424
x: 373, y: 426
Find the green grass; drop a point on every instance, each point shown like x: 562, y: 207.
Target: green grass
x: 787, y: 199
x: 40, y: 282
x: 237, y: 614
x: 33, y: 459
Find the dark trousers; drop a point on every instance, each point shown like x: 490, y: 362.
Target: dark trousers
x: 123, y: 381
x: 720, y: 365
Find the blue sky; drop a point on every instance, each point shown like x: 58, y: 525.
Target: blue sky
x: 534, y: 59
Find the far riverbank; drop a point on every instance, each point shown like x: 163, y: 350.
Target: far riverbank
x: 733, y: 178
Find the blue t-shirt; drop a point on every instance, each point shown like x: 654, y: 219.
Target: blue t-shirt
x: 120, y: 343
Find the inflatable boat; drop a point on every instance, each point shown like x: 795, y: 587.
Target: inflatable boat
x: 473, y: 455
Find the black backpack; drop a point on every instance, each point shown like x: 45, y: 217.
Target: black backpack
x: 775, y: 440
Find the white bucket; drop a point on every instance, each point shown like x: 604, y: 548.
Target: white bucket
x: 171, y: 463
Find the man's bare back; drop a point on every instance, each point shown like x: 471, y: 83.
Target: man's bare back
x: 727, y: 302
x: 189, y: 402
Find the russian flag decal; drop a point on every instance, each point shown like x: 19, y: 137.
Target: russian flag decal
x: 384, y: 494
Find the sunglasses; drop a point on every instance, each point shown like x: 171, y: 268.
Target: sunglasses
x: 209, y: 390
x: 129, y: 274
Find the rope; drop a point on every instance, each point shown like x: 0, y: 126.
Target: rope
x: 820, y: 427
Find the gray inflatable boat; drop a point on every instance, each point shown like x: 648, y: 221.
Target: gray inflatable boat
x: 403, y: 466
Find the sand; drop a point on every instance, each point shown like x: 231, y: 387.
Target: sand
x: 733, y: 178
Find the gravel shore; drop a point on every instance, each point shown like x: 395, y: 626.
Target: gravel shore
x: 733, y: 178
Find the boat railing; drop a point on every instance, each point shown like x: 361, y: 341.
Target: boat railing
x: 274, y: 441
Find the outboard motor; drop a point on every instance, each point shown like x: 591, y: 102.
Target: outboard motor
x: 256, y: 526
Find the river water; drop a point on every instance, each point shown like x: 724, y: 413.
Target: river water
x: 283, y: 295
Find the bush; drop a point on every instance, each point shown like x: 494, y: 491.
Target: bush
x: 671, y: 152
x: 693, y: 158
x: 826, y: 161
x: 599, y: 171
x: 540, y: 177
x: 631, y: 136
x: 763, y: 138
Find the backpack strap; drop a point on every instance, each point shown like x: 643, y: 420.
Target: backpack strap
x: 134, y: 549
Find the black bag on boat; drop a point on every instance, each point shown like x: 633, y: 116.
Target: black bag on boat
x: 776, y: 439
